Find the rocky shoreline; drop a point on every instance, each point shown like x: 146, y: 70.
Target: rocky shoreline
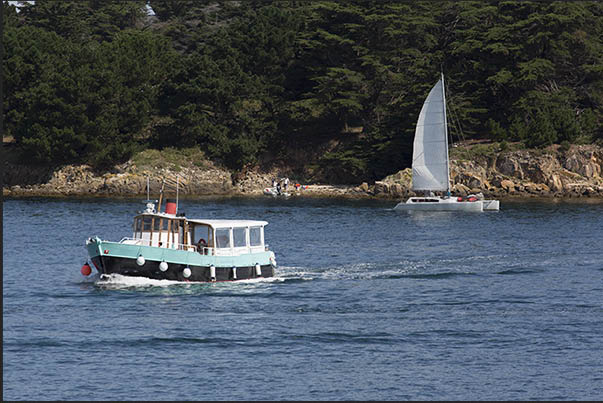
x: 573, y: 173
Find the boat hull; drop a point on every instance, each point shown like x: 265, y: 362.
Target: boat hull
x: 274, y: 193
x: 125, y: 259
x: 175, y: 271
x: 446, y: 204
x: 491, y: 205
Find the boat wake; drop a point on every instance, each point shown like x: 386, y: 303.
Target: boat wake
x: 421, y: 269
x: 118, y: 281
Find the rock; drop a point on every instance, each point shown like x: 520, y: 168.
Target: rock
x: 536, y: 188
x: 584, y: 161
x: 381, y: 188
x: 460, y: 189
x: 509, y: 166
x: 555, y: 183
x: 508, y: 185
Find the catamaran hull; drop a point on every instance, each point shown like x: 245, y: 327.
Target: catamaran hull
x: 175, y: 271
x: 428, y: 206
x: 447, y: 204
x: 490, y: 205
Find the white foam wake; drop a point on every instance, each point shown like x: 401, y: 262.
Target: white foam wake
x: 120, y: 281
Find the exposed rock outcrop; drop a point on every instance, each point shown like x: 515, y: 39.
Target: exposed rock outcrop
x: 574, y: 173
x: 526, y: 173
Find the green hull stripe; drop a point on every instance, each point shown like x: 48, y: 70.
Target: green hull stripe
x: 175, y: 256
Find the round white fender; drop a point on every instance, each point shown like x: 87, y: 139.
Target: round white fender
x: 163, y: 266
x: 186, y: 272
x: 140, y: 260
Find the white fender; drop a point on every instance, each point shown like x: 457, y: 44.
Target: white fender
x: 163, y: 266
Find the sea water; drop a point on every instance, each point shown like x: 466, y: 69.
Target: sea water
x: 368, y: 303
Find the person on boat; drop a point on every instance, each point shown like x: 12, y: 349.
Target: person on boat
x: 286, y: 184
x: 278, y: 188
x: 201, y: 245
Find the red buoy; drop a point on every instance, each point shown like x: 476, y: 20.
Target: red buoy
x: 86, y: 270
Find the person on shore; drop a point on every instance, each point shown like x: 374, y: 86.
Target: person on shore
x: 278, y: 188
x: 286, y: 184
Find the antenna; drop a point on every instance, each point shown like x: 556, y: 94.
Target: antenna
x: 177, y: 183
x: 149, y: 203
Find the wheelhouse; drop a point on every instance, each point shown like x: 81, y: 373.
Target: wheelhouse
x: 228, y: 237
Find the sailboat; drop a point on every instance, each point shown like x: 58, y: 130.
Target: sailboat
x: 431, y: 164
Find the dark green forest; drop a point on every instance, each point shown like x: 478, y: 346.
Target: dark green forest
x: 326, y: 89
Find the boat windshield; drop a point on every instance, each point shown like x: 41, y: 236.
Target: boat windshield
x: 202, y: 234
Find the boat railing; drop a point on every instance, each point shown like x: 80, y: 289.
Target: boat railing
x: 179, y: 246
x: 168, y: 245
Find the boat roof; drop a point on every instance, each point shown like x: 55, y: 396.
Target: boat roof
x: 229, y: 223
x: 216, y: 223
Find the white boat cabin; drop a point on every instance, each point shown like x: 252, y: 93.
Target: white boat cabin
x: 209, y: 237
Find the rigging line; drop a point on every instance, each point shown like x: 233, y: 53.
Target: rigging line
x: 455, y: 120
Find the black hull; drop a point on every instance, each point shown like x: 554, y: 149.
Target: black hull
x: 129, y: 267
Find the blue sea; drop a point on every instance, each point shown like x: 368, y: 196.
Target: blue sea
x: 368, y: 304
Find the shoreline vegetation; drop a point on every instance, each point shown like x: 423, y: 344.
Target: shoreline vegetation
x: 494, y: 169
x: 230, y: 94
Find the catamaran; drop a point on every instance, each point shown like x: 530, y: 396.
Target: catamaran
x: 431, y: 164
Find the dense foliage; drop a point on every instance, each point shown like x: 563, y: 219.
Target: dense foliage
x: 328, y: 89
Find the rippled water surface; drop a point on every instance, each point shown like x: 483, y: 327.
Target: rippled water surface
x: 368, y: 303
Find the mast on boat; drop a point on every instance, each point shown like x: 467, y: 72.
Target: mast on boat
x: 446, y: 136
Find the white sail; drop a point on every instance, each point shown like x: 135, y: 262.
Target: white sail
x: 430, y: 149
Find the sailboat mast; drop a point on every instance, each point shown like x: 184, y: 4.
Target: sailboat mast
x: 446, y: 137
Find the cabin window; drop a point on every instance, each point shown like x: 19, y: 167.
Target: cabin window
x: 156, y: 224
x: 424, y: 200
x: 146, y: 223
x: 165, y: 225
x: 223, y: 237
x: 255, y: 236
x: 239, y: 236
x: 138, y: 225
x: 203, y: 231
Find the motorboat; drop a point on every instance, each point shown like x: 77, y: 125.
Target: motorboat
x: 166, y: 245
